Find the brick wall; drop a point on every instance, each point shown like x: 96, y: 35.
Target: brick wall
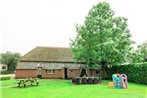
x: 56, y: 75
x: 23, y: 73
x: 73, y: 73
x: 91, y: 72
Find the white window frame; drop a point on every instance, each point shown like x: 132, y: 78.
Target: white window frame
x: 50, y: 71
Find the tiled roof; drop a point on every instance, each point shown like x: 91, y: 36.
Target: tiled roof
x: 49, y: 54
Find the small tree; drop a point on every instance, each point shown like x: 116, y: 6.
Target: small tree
x: 140, y: 54
x: 103, y: 39
x: 10, y: 59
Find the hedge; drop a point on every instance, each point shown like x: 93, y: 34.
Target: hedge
x: 7, y: 72
x: 5, y: 78
x: 135, y: 72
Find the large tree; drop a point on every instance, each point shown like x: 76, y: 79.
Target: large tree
x: 10, y: 59
x: 103, y: 40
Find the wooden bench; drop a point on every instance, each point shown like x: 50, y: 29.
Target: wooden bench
x: 34, y: 81
x: 25, y: 82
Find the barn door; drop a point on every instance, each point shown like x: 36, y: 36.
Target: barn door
x: 65, y: 73
x: 39, y: 73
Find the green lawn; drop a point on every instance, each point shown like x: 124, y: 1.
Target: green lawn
x: 64, y: 89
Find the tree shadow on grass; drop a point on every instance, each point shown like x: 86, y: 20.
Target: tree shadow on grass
x: 22, y: 87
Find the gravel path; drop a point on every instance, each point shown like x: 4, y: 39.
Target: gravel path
x: 8, y: 75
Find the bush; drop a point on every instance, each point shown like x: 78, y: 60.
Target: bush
x: 135, y: 72
x: 5, y: 78
x: 7, y: 72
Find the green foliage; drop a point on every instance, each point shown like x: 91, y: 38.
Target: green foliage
x: 140, y: 54
x: 7, y: 72
x: 5, y: 78
x: 103, y: 39
x: 10, y: 59
x: 136, y: 72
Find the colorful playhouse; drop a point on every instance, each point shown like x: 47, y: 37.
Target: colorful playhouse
x: 120, y: 80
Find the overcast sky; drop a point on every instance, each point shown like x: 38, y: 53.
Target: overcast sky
x: 25, y: 24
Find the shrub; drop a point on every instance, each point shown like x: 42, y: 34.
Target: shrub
x: 7, y: 72
x: 135, y: 72
x: 5, y: 78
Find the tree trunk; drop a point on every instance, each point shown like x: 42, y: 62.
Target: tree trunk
x: 104, y: 70
x: 104, y: 67
x: 11, y: 68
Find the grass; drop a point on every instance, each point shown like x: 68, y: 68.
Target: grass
x: 64, y: 89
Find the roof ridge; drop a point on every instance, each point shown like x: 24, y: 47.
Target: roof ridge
x: 46, y: 47
x: 28, y: 52
x: 51, y: 47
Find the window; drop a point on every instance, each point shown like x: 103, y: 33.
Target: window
x: 4, y: 67
x: 46, y: 71
x: 50, y: 71
x: 53, y: 71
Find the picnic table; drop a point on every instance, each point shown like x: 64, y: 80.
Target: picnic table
x: 27, y: 81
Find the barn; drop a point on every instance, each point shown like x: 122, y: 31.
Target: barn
x: 51, y: 63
